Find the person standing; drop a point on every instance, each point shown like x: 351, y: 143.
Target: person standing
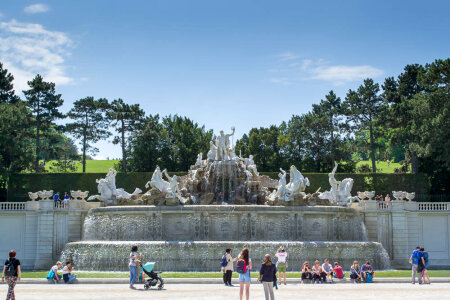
x: 281, y: 264
x: 56, y: 199
x: 228, y: 268
x: 425, y: 275
x: 416, y: 256
x: 11, y: 274
x: 268, y: 277
x: 133, y: 265
x: 244, y: 266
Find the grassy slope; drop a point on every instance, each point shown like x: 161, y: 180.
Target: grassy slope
x: 92, y: 166
x: 382, y: 166
x: 384, y: 274
x: 102, y: 166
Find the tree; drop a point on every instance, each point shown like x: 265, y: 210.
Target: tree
x: 16, y: 149
x: 6, y: 87
x: 316, y: 142
x: 66, y: 156
x: 431, y: 123
x: 363, y: 107
x: 332, y: 108
x: 44, y: 103
x: 91, y: 124
x: 398, y: 95
x: 126, y: 118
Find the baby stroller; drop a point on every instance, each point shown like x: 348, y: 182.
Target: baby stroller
x: 153, y: 277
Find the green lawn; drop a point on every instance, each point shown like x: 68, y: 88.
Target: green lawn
x: 382, y: 166
x: 92, y: 166
x: 383, y: 274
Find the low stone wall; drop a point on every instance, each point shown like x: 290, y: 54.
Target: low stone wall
x: 206, y: 255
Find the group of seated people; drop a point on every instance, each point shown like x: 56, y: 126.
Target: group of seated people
x: 326, y: 272
x: 67, y: 276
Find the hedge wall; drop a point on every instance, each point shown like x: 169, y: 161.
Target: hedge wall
x: 20, y: 184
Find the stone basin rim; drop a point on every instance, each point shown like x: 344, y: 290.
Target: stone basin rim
x: 222, y: 208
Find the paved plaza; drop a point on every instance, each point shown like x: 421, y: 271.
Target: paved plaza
x: 212, y: 291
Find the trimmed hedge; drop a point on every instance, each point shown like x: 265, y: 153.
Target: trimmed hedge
x: 20, y: 184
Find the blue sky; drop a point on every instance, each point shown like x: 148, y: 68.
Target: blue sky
x: 221, y: 63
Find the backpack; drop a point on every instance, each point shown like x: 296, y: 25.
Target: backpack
x: 241, y: 267
x: 368, y: 278
x: 10, y: 268
x: 224, y: 261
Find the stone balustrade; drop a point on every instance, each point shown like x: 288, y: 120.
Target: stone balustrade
x: 12, y: 206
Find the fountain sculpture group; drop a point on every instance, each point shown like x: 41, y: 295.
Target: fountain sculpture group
x: 226, y: 178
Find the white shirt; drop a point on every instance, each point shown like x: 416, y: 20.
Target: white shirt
x: 55, y: 269
x: 66, y: 270
x: 281, y: 257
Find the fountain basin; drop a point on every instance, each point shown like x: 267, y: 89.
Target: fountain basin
x: 206, y: 255
x: 224, y: 223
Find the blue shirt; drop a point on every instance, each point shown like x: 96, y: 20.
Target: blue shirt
x: 56, y: 197
x: 365, y: 268
x: 416, y: 256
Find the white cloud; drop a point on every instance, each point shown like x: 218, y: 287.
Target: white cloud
x: 27, y: 49
x: 294, y: 69
x: 342, y: 73
x: 287, y: 56
x: 36, y: 8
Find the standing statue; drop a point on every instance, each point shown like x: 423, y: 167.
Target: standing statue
x: 297, y: 183
x: 340, y: 192
x: 157, y: 182
x: 223, y: 145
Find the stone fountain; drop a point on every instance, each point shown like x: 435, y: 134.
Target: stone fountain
x: 189, y: 221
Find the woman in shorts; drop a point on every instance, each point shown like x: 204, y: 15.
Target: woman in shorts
x: 244, y: 278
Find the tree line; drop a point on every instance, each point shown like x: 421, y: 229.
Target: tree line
x: 405, y: 119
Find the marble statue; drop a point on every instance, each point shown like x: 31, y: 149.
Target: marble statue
x: 280, y: 192
x: 251, y: 166
x: 297, y: 182
x: 340, y: 192
x: 249, y: 175
x: 199, y: 161
x: 157, y: 182
x: 223, y: 145
x: 211, y: 155
x: 108, y: 191
x: 410, y: 196
x: 173, y: 190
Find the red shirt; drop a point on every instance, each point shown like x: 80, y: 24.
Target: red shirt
x: 338, y: 271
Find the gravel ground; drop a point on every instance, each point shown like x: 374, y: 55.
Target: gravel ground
x: 212, y: 291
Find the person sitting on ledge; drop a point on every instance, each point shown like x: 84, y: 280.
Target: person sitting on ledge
x: 355, y: 272
x: 318, y: 274
x: 306, y: 272
x: 68, y: 277
x: 338, y: 272
x: 52, y: 275
x: 367, y: 272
